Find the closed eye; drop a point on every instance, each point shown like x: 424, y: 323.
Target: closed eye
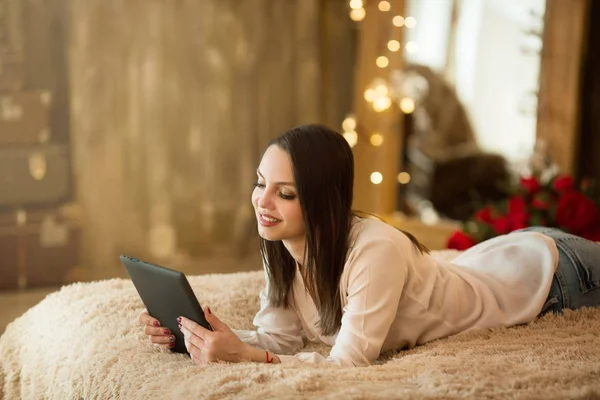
x: 282, y: 195
x: 287, y: 196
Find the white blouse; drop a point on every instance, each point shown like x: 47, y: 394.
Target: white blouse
x: 394, y: 297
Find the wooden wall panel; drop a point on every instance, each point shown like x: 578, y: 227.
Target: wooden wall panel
x: 172, y: 105
x: 375, y: 32
x: 564, y: 37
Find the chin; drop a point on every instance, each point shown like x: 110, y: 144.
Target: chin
x: 270, y: 236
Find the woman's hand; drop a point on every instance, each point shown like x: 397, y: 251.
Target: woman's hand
x: 157, y: 334
x: 206, y: 346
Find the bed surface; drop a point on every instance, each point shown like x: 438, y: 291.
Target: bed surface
x: 84, y: 341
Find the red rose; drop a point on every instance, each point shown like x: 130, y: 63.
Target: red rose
x: 530, y: 184
x: 576, y: 212
x: 563, y: 184
x: 460, y: 241
x: 516, y: 204
x: 592, y: 233
x: 501, y: 225
x: 518, y: 220
x: 484, y: 215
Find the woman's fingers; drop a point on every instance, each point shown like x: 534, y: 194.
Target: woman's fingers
x: 162, y: 339
x: 196, y: 354
x: 157, y: 334
x: 146, y: 319
x: 161, y: 331
x: 192, y: 337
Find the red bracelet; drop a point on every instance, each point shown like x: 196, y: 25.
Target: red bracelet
x: 267, y: 360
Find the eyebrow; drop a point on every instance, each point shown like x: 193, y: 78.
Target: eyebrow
x: 277, y: 183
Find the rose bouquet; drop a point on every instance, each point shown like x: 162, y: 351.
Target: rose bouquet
x: 558, y: 202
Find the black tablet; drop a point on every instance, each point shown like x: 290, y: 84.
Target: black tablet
x: 167, y: 294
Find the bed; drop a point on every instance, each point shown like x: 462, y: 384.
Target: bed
x: 84, y: 342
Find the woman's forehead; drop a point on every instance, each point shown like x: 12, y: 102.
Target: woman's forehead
x: 276, y: 164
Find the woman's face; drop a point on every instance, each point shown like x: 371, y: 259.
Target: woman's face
x: 275, y: 198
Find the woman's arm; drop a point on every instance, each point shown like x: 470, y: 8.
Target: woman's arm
x: 278, y: 329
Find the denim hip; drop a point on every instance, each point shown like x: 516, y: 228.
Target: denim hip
x: 576, y: 282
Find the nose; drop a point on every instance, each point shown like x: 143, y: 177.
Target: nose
x: 264, y: 200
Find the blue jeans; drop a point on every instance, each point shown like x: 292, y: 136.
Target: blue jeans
x: 576, y: 282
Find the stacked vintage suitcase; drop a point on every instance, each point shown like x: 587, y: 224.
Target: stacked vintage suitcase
x: 39, y: 243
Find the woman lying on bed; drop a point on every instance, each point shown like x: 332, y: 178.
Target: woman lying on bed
x: 363, y: 286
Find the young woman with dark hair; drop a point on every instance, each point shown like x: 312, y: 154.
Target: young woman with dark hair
x: 364, y: 287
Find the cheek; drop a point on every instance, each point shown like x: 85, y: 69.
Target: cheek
x: 254, y: 198
x: 294, y: 213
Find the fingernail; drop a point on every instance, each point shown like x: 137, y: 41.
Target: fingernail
x: 179, y: 326
x: 172, y: 339
x: 171, y: 345
x: 208, y: 309
x: 167, y: 332
x: 179, y: 319
x: 156, y: 323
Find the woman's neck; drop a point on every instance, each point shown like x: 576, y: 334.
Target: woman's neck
x: 296, y: 249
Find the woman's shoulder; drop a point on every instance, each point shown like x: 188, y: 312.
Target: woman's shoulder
x: 372, y: 230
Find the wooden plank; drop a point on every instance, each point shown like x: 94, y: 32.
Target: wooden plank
x: 375, y: 32
x: 564, y: 38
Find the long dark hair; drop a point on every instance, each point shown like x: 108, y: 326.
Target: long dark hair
x: 323, y: 167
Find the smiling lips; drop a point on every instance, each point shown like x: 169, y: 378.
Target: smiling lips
x: 267, y: 220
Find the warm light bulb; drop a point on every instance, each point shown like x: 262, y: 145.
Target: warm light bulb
x: 376, y: 139
x: 382, y: 61
x: 398, y: 21
x: 384, y: 6
x: 412, y: 47
x: 370, y: 95
x: 382, y: 103
x: 381, y: 90
x: 410, y: 22
x: 376, y: 178
x: 407, y: 105
x: 358, y: 14
x: 356, y: 4
x: 403, y: 178
x: 349, y: 124
x: 351, y: 137
x: 393, y: 45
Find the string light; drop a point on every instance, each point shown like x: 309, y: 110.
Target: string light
x: 370, y: 95
x: 407, y: 105
x: 382, y: 103
x: 378, y: 94
x: 356, y: 4
x: 398, y: 21
x: 412, y: 47
x: 351, y: 137
x: 376, y: 139
x: 403, y: 178
x: 349, y: 123
x: 381, y: 90
x: 384, y: 6
x: 382, y: 61
x: 393, y: 45
x: 358, y: 14
x: 376, y: 178
x: 410, y: 22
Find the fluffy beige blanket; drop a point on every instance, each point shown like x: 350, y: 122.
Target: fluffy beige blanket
x: 84, y: 342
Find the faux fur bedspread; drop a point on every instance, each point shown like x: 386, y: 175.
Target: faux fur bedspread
x: 84, y: 342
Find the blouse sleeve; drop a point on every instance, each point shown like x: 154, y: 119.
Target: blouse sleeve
x: 376, y: 278
x: 278, y: 329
